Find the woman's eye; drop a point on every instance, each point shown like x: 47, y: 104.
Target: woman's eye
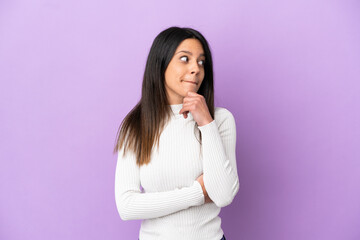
x: 183, y: 57
x: 202, y: 61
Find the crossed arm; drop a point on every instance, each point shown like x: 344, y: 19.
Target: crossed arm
x: 219, y: 175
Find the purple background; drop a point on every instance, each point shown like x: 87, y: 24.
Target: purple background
x: 289, y: 71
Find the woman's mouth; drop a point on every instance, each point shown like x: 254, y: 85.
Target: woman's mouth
x: 191, y: 82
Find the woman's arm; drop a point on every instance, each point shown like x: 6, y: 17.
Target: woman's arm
x: 133, y: 204
x: 219, y: 158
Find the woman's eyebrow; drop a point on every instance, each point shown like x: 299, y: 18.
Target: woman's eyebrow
x: 202, y: 54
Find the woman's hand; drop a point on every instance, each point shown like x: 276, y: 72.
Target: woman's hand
x: 196, y: 104
x: 201, y: 181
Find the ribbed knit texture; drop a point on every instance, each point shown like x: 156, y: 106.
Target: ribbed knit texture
x: 172, y: 205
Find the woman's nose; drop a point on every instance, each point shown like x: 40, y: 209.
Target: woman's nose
x: 195, y: 68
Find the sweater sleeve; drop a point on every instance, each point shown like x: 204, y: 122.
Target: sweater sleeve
x: 219, y: 158
x: 133, y: 204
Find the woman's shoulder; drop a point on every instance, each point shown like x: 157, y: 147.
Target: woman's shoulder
x: 223, y: 114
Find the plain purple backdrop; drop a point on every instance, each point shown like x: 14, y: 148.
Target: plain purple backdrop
x: 289, y: 71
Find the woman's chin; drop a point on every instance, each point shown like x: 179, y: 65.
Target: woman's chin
x: 190, y: 89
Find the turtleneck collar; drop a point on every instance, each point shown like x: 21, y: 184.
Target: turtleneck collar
x: 176, y: 109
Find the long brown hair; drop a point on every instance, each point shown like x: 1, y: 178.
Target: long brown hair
x: 143, y: 125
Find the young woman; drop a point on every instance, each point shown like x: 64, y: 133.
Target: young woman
x: 177, y: 145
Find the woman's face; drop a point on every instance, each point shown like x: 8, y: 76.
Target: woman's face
x: 185, y: 71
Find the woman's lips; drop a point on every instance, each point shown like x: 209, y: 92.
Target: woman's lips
x: 191, y: 82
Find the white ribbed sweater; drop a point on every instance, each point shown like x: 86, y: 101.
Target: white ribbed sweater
x: 172, y: 205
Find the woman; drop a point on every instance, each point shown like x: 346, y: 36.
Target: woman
x: 177, y: 145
